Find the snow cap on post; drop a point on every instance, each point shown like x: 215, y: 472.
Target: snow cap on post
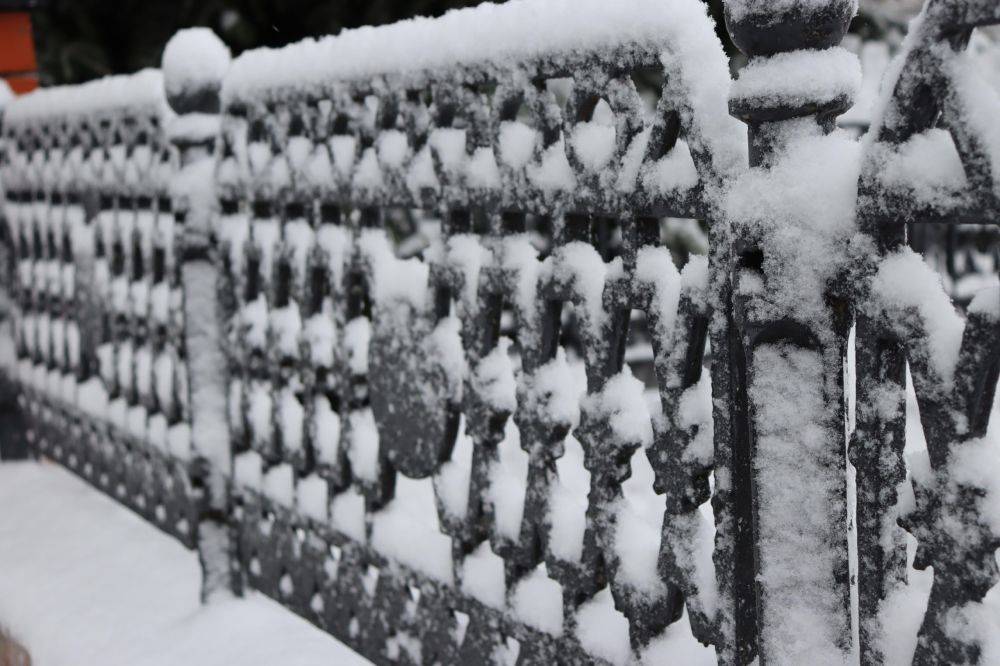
x: 194, y: 62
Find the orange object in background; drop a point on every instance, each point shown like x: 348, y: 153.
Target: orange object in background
x: 17, y: 51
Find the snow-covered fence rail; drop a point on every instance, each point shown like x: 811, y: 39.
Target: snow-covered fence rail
x: 352, y: 317
x: 88, y: 209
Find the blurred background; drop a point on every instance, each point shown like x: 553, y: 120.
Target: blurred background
x: 78, y: 40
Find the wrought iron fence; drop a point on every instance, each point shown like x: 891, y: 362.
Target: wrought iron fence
x: 351, y: 318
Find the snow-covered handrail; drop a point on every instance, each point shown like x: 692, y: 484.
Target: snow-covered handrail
x: 386, y: 326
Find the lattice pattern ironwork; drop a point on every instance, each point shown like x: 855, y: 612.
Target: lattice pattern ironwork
x: 277, y: 314
x: 89, y: 215
x: 309, y: 183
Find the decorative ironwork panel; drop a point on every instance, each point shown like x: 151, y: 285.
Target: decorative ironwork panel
x: 359, y: 320
x: 102, y: 360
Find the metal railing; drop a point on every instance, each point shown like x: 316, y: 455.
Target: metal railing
x: 351, y: 319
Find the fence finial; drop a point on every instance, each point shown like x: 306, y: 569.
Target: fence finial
x: 194, y: 62
x: 795, y: 71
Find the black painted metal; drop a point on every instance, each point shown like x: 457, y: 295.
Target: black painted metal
x: 148, y: 235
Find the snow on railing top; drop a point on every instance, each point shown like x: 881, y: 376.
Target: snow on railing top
x: 141, y: 92
x: 488, y: 35
x: 552, y: 38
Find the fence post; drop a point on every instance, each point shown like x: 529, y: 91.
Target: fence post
x: 194, y: 61
x: 779, y: 349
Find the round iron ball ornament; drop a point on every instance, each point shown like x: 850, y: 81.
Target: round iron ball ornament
x: 766, y: 27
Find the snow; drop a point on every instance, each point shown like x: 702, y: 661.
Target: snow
x: 519, y: 255
x: 279, y: 484
x: 568, y: 503
x: 482, y: 170
x: 517, y: 143
x: 623, y: 405
x: 335, y: 241
x: 156, y: 432
x: 118, y: 413
x: 537, y: 601
x: 363, y: 447
x: 694, y: 409
x: 179, y: 443
x: 603, y: 631
x: 193, y: 127
x: 6, y: 94
x: 357, y: 334
x: 593, y: 142
x: 291, y: 417
x: 253, y: 322
x: 798, y: 78
x: 74, y: 559
x: 902, y: 613
x: 579, y: 265
x: 92, y: 398
x: 260, y: 413
x: 927, y: 167
x: 467, y: 255
x: 738, y: 10
x: 393, y: 280
x: 905, y: 283
x: 654, y: 266
x: 508, y: 480
x: 312, y: 498
x: 144, y: 371
x: 554, y: 172
x: 491, y: 35
x: 986, y: 303
x: 672, y: 174
x: 206, y: 367
x: 392, y: 148
x: 801, y: 209
x: 493, y: 380
x: 976, y: 464
x: 637, y: 534
x: 483, y: 577
x: 488, y: 34
x: 248, y: 470
x: 978, y: 105
x: 347, y: 514
x: 798, y: 483
x: 454, y: 476
x: 411, y: 518
x: 136, y: 422
x: 677, y: 645
x: 554, y: 392
x: 326, y: 431
x: 142, y: 91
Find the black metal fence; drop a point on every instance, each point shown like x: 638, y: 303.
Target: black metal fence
x: 356, y: 319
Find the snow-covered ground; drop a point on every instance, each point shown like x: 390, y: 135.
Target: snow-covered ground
x: 84, y: 581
